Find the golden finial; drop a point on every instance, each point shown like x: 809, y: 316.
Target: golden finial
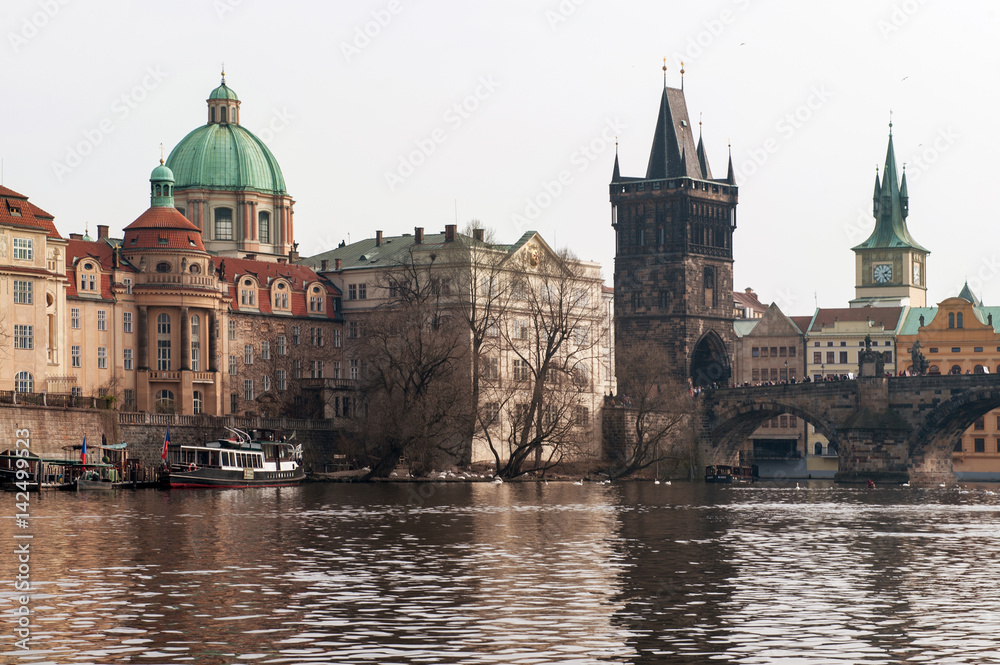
x: 890, y: 122
x: 664, y: 72
x: 223, y: 73
x: 682, y: 77
x: 161, y: 153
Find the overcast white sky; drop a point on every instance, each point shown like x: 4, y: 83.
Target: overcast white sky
x: 802, y: 89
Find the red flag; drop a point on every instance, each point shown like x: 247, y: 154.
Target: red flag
x: 166, y: 442
x: 83, y: 453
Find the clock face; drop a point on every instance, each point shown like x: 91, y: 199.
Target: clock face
x: 916, y: 273
x: 883, y: 272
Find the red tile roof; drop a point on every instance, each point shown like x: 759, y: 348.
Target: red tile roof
x: 887, y: 317
x: 31, y: 216
x: 802, y: 322
x: 166, y: 224
x: 266, y: 272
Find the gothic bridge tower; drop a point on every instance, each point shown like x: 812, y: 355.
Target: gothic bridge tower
x: 674, y: 251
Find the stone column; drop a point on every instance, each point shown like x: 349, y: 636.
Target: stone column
x: 142, y: 335
x: 185, y: 339
x: 213, y: 341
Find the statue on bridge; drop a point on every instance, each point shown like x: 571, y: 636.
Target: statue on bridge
x: 871, y: 363
x: 918, y: 360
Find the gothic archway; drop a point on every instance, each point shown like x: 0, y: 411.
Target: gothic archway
x: 710, y: 361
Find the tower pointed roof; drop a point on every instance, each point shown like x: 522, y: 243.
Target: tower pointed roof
x: 967, y: 293
x: 616, y: 175
x: 706, y: 172
x: 672, y: 140
x: 731, y: 174
x: 890, y: 210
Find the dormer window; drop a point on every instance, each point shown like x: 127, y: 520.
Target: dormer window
x: 161, y: 240
x: 316, y: 299
x: 248, y: 294
x: 280, y: 296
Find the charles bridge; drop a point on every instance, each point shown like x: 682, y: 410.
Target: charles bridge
x: 896, y: 429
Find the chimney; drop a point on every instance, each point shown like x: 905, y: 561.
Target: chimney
x: 378, y: 238
x: 102, y: 231
x: 449, y: 232
x: 282, y: 260
x: 76, y: 236
x: 323, y: 264
x: 336, y: 264
x: 418, y: 235
x: 477, y: 234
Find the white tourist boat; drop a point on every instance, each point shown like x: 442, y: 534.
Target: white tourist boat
x: 240, y: 461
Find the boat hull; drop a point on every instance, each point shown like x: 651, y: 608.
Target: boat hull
x: 221, y: 478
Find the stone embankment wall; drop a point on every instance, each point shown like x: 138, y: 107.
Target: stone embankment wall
x: 53, y: 428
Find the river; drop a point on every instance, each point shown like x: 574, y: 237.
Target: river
x: 513, y: 573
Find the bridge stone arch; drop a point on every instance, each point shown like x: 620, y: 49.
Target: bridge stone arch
x: 734, y: 425
x: 933, y: 440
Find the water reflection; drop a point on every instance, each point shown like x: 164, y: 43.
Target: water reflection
x: 532, y: 573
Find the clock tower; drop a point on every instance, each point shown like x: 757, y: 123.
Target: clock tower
x: 891, y: 267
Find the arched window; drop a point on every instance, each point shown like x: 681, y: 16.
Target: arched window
x: 164, y: 401
x: 934, y: 369
x: 951, y: 319
x: 162, y: 266
x: 958, y: 320
x: 196, y: 401
x: 955, y: 369
x: 158, y: 190
x: 213, y: 114
x: 979, y: 369
x: 819, y: 448
x: 223, y: 223
x: 264, y: 226
x: 163, y: 324
x: 223, y: 111
x: 24, y: 382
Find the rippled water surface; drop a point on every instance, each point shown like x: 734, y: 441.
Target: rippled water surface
x: 515, y: 573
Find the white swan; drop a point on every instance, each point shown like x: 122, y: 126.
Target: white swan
x: 498, y: 481
x: 579, y: 482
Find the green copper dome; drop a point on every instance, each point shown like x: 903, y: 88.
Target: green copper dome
x: 161, y: 173
x: 225, y: 156
x: 223, y: 92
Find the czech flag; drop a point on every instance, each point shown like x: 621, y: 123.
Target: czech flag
x: 83, y: 453
x: 166, y: 442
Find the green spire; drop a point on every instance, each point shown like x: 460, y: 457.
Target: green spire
x: 891, y: 206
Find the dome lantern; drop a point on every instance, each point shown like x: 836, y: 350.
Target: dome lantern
x: 223, y: 104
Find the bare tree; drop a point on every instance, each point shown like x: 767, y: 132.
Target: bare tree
x: 474, y: 270
x: 548, y: 333
x: 650, y: 414
x: 414, y: 380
